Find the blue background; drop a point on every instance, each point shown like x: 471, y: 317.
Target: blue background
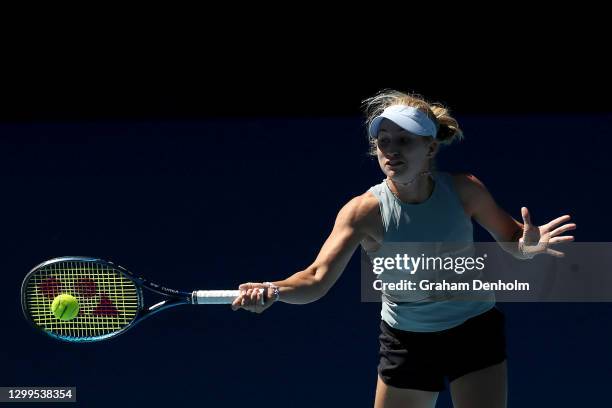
x: 214, y: 203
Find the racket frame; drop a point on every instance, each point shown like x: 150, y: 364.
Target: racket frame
x: 173, y: 297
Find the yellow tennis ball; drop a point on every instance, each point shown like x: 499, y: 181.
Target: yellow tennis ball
x: 65, y: 307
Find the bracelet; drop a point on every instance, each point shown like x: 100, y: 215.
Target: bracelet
x: 275, y: 290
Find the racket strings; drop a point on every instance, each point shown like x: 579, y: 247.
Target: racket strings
x: 108, y: 301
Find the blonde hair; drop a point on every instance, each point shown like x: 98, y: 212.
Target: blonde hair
x: 448, y: 128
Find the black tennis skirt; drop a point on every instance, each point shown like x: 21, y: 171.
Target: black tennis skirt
x: 422, y: 360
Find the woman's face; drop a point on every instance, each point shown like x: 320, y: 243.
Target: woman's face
x: 401, y: 154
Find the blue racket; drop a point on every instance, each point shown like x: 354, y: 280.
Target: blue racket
x: 110, y: 298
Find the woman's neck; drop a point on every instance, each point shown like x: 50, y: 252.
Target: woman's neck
x: 415, y: 191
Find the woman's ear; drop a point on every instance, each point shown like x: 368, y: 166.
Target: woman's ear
x: 433, y: 149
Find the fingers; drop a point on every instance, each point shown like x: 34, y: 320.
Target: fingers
x: 558, y: 221
x: 556, y: 254
x: 241, y: 302
x: 237, y: 303
x: 562, y: 229
x: 255, y: 297
x: 526, y: 216
x: 560, y: 240
x: 241, y: 299
x: 251, y: 299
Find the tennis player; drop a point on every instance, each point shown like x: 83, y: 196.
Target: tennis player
x: 421, y: 343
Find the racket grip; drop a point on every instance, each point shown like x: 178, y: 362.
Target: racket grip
x: 215, y: 297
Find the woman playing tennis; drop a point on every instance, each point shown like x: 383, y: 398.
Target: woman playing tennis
x: 420, y: 341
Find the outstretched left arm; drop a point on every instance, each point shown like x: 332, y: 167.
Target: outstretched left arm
x: 522, y: 240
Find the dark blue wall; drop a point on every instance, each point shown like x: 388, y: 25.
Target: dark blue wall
x: 216, y: 203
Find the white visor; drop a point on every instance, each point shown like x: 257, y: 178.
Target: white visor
x: 407, y: 117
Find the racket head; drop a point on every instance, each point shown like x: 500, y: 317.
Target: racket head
x: 110, y: 298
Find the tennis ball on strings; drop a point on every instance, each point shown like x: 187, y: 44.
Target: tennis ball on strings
x: 65, y: 307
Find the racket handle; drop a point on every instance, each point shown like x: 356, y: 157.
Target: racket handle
x: 215, y: 297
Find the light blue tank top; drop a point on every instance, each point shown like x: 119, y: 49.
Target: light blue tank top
x: 440, y: 218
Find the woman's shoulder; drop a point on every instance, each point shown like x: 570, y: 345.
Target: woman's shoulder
x: 465, y: 182
x: 367, y: 217
x: 361, y: 211
x: 469, y: 189
x: 363, y: 206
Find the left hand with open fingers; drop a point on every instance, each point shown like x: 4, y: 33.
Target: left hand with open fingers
x: 537, y: 240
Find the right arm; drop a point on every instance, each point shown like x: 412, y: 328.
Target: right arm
x: 315, y: 281
x: 312, y: 283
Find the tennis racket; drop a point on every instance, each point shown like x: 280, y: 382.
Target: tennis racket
x: 110, y: 298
